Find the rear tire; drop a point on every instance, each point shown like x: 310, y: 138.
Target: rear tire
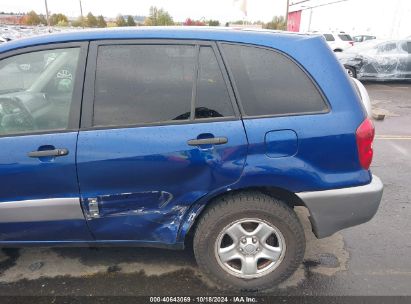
x: 249, y: 241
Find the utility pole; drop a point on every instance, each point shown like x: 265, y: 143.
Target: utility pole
x: 81, y: 13
x: 311, y: 17
x: 47, y: 13
x: 286, y: 14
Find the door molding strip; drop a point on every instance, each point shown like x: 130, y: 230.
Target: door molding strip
x: 50, y: 209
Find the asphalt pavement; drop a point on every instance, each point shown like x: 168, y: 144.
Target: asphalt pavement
x: 370, y: 259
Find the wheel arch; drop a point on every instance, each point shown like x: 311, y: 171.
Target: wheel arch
x: 353, y: 68
x: 189, y: 224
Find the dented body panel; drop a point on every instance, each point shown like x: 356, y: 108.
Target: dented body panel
x: 379, y: 60
x: 145, y: 179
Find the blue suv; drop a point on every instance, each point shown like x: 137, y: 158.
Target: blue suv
x: 150, y: 137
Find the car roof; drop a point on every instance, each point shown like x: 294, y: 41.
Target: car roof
x: 258, y: 37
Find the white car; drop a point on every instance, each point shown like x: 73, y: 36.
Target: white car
x: 338, y: 41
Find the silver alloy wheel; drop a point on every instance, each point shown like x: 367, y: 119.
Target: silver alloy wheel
x: 350, y: 72
x: 250, y: 248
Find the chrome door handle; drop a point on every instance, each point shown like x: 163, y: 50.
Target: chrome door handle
x: 48, y: 153
x: 208, y: 141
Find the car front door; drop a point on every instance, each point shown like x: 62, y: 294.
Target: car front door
x: 160, y: 130
x: 40, y: 99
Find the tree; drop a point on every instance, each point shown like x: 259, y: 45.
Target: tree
x: 81, y: 21
x: 130, y: 21
x: 190, y: 22
x: 101, y: 22
x: 238, y: 22
x: 43, y: 19
x: 213, y: 23
x: 278, y: 23
x: 58, y: 19
x: 32, y: 19
x: 91, y: 20
x: 120, y: 21
x: 158, y: 17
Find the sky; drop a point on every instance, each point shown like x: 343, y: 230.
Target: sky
x: 223, y: 10
x: 383, y: 18
x: 386, y: 19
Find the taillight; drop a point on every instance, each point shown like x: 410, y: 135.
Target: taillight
x: 365, y: 136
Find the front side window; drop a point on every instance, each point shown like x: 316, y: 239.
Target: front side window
x: 269, y: 83
x: 359, y: 38
x: 345, y: 37
x: 138, y: 84
x: 329, y: 37
x: 36, y: 90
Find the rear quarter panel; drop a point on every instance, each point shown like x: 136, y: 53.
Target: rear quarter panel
x: 327, y: 156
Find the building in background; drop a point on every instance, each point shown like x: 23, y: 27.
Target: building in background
x: 12, y: 19
x: 384, y: 19
x: 294, y: 21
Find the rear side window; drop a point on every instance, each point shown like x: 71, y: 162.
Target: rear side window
x: 269, y: 83
x: 387, y: 48
x: 138, y: 84
x: 212, y: 94
x: 329, y: 37
x: 345, y: 37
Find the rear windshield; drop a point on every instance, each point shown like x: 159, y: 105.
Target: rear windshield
x: 329, y: 37
x: 345, y: 37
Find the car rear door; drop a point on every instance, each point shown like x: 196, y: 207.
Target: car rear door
x: 391, y: 61
x: 160, y: 130
x: 40, y: 99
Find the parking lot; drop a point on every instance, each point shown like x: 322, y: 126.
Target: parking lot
x: 371, y: 259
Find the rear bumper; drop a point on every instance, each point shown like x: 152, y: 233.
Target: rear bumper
x: 333, y: 210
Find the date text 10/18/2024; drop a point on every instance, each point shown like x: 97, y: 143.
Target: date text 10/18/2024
x: 208, y: 299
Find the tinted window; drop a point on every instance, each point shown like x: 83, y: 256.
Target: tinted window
x: 212, y: 95
x: 359, y: 38
x: 388, y: 48
x: 270, y: 83
x: 345, y: 37
x: 36, y: 90
x: 403, y: 46
x: 143, y: 84
x: 329, y: 37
